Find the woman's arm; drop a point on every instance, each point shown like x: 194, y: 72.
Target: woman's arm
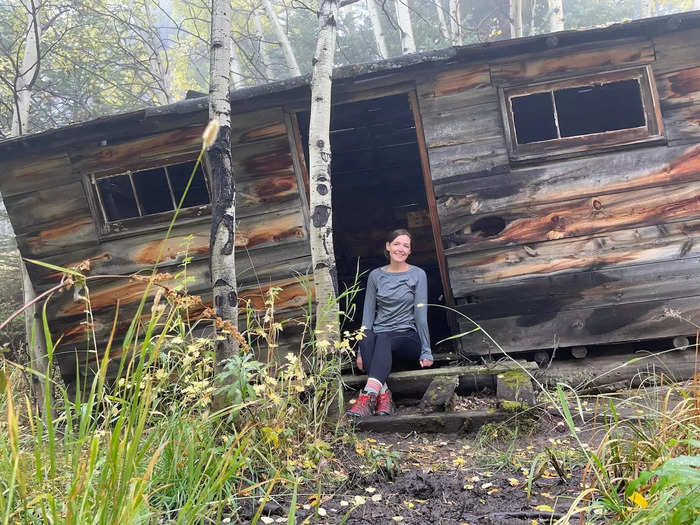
x: 421, y: 317
x: 369, y: 309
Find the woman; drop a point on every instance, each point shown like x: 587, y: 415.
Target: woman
x: 395, y: 321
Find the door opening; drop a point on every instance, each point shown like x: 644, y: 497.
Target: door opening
x: 378, y: 187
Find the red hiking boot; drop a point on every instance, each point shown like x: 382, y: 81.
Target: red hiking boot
x: 364, y: 405
x: 385, y: 405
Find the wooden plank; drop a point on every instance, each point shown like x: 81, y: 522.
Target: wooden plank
x: 574, y: 218
x: 663, y: 242
x: 476, y: 159
x: 682, y: 124
x: 24, y: 175
x: 679, y: 88
x: 587, y: 326
x: 34, y: 210
x: 565, y: 180
x: 262, y: 158
x: 138, y: 154
x: 71, y: 233
x: 550, y: 295
x: 473, y: 78
x: 568, y: 62
x: 461, y: 422
x: 676, y: 51
x: 452, y: 126
x: 254, y: 126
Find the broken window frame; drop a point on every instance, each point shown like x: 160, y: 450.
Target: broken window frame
x: 651, y: 132
x: 108, y: 229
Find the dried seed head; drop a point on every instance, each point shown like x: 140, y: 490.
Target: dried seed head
x: 210, y: 133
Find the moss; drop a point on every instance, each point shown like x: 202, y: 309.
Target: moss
x: 514, y: 406
x: 515, y: 378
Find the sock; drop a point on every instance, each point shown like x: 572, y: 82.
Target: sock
x: 373, y: 386
x: 383, y: 389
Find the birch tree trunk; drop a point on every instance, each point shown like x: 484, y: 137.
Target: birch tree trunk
x: 533, y: 6
x: 455, y: 23
x: 28, y: 73
x: 696, y: 4
x: 403, y: 19
x: 645, y: 7
x: 260, y: 48
x: 556, y: 15
x: 444, y: 30
x: 377, y: 28
x: 222, y: 242
x: 322, y: 252
x: 282, y: 39
x: 516, y: 18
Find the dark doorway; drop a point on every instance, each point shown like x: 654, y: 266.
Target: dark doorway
x: 378, y: 186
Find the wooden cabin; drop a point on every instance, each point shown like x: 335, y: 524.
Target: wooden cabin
x: 552, y: 184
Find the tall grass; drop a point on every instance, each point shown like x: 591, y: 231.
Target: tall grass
x: 172, y: 438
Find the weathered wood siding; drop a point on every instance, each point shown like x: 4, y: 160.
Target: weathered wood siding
x: 593, y: 249
x: 47, y: 202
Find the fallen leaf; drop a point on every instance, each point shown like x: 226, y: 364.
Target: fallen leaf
x: 377, y: 497
x: 468, y: 487
x: 409, y: 504
x: 474, y: 479
x: 486, y: 485
x: 344, y: 503
x: 359, y: 500
x: 397, y: 518
x: 267, y: 520
x: 513, y: 482
x: 544, y: 508
x: 493, y: 491
x: 371, y: 490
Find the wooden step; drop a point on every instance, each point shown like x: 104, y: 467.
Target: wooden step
x: 466, y: 421
x: 472, y: 378
x: 441, y: 359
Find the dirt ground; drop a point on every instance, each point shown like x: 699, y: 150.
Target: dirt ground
x: 456, y: 479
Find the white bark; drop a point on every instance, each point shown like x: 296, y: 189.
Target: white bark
x: 556, y: 15
x: 403, y: 19
x: 516, y: 18
x: 282, y: 38
x: 696, y: 4
x: 160, y: 68
x: 645, y: 7
x: 321, y: 234
x: 444, y: 30
x: 455, y: 23
x: 261, y: 49
x: 533, y: 6
x: 222, y: 242
x: 377, y: 28
x: 28, y: 73
x: 237, y: 80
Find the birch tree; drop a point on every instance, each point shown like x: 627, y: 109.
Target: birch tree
x: 321, y: 234
x: 444, y: 30
x: 455, y: 23
x: 516, y: 18
x: 403, y: 20
x: 282, y: 39
x: 222, y: 241
x: 645, y: 8
x: 556, y: 15
x: 377, y: 29
x: 260, y: 48
x: 237, y: 78
x: 27, y: 73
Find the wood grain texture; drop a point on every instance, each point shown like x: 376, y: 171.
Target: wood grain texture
x: 587, y: 326
x: 26, y: 174
x: 566, y: 180
x: 38, y: 209
x: 471, y: 78
x: 676, y: 51
x: 570, y: 62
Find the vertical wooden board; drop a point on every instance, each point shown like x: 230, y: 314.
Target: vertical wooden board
x: 570, y: 179
x: 589, y: 326
x: 23, y: 175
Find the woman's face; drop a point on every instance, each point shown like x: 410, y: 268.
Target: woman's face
x: 399, y: 249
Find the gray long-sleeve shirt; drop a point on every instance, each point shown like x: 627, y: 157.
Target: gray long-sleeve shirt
x: 391, y: 303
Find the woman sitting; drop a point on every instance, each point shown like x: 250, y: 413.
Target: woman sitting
x: 395, y: 320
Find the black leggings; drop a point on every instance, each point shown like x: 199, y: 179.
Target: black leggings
x: 378, y: 351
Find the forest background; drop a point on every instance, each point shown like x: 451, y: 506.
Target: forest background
x: 68, y: 61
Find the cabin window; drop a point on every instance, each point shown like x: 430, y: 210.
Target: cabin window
x: 125, y: 198
x: 573, y: 116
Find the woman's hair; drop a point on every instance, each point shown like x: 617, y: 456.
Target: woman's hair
x: 393, y: 235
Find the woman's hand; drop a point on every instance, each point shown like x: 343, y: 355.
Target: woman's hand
x: 425, y: 363
x: 359, y: 363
